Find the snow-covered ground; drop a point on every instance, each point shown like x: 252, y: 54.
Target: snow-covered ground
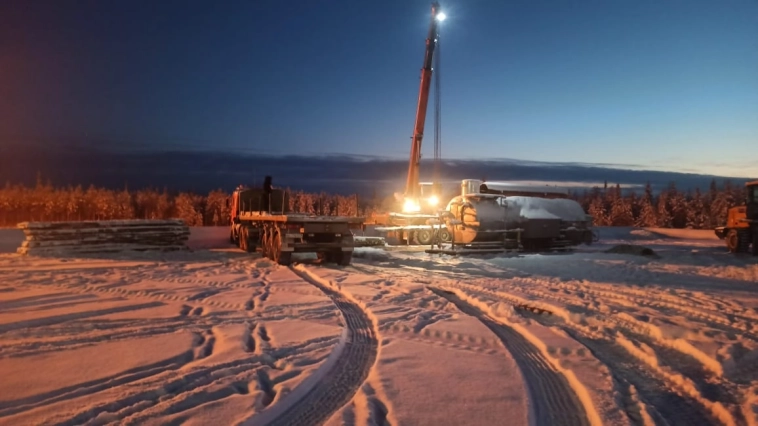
x: 217, y: 336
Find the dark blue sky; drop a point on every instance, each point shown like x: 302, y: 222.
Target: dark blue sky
x: 665, y: 85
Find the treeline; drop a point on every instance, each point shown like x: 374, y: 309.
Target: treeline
x: 44, y: 202
x: 670, y: 208
x: 610, y: 206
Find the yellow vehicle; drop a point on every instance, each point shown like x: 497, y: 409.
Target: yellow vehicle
x: 741, y: 230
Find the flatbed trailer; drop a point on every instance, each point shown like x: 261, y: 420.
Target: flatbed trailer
x: 277, y: 233
x: 411, y: 229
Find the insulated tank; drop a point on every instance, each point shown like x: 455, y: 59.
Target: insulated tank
x: 476, y: 219
x: 484, y: 218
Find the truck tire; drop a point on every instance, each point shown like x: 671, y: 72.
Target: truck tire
x: 266, y: 243
x: 243, y: 239
x: 445, y: 236
x: 424, y: 237
x: 342, y: 258
x: 279, y: 256
x: 732, y: 241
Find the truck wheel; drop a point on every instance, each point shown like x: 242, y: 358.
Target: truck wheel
x: 265, y: 242
x: 732, y: 241
x: 342, y: 258
x: 424, y: 237
x: 243, y: 239
x: 445, y: 236
x: 280, y: 257
x: 738, y: 241
x: 270, y: 248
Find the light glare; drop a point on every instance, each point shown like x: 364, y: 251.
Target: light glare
x: 433, y: 200
x: 441, y: 16
x: 410, y: 206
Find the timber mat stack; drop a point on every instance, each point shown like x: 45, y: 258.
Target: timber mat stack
x: 361, y: 241
x: 107, y: 236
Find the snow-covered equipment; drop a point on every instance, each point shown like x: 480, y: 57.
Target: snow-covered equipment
x: 485, y: 216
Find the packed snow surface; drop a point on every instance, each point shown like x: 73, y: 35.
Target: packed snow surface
x: 218, y: 336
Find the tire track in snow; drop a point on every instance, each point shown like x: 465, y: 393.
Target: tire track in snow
x: 553, y: 402
x: 670, y: 407
x: 654, y: 387
x: 343, y: 379
x: 654, y: 390
x: 735, y: 320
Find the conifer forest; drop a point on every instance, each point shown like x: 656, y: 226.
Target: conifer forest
x: 609, y: 206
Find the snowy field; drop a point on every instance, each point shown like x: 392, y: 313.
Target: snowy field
x: 217, y: 336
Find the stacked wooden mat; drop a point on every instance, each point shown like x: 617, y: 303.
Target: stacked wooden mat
x: 107, y: 236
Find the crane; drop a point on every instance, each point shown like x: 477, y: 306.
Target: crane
x: 412, y: 187
x: 415, y: 221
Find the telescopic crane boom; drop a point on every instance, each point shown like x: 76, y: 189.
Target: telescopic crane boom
x: 412, y: 184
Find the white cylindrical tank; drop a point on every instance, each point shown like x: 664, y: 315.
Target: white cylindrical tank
x: 483, y: 218
x: 545, y: 208
x: 475, y: 219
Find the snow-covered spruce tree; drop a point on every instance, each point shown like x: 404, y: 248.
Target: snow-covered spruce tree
x: 186, y: 209
x: 346, y: 206
x: 164, y: 205
x: 600, y: 216
x: 677, y: 202
x: 697, y: 217
x: 662, y: 213
x: 124, y: 205
x: 621, y: 209
x: 646, y: 216
x: 713, y: 208
x: 737, y: 194
x: 147, y: 204
x: 5, y: 205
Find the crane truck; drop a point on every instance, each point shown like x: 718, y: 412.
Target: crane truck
x: 741, y: 229
x: 418, y: 221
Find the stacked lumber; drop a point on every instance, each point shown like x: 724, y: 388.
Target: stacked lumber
x: 107, y: 236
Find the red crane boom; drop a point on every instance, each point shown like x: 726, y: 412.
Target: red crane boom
x: 412, y: 184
